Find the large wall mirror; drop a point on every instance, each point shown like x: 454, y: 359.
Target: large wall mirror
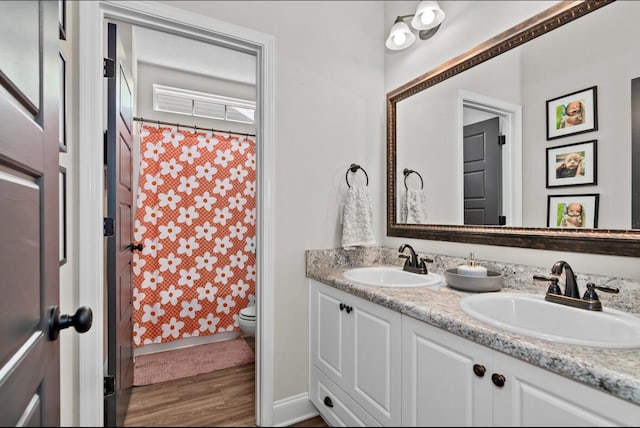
x: 483, y: 142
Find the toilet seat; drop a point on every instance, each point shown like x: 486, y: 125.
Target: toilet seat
x: 248, y: 313
x: 247, y: 320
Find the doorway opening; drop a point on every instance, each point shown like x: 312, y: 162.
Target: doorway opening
x: 181, y: 23
x: 473, y: 107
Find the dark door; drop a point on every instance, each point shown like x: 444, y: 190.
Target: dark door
x: 119, y: 245
x: 29, y: 254
x: 482, y: 173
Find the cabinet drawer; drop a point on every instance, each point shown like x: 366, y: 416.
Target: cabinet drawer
x: 342, y: 410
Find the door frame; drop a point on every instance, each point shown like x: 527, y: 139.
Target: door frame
x: 90, y: 189
x: 511, y: 118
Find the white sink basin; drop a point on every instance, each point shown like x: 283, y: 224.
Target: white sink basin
x: 531, y: 315
x: 385, y: 276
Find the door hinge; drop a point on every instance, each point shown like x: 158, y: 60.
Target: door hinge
x: 108, y: 227
x: 108, y: 68
x: 109, y: 385
x: 502, y: 140
x: 502, y: 220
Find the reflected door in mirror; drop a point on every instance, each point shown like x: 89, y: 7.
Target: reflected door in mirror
x: 482, y: 159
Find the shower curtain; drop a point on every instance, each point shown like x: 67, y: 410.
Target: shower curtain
x: 196, y: 219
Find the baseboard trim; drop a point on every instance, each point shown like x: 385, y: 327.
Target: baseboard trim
x: 184, y: 342
x: 293, y: 409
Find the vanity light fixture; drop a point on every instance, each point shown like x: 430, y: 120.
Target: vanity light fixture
x: 426, y: 20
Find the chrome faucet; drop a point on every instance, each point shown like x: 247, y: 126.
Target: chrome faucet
x: 571, y: 296
x: 570, y: 284
x: 413, y: 263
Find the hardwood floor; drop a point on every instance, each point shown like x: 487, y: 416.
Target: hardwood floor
x: 221, y: 398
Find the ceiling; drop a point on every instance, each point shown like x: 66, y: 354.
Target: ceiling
x: 193, y: 56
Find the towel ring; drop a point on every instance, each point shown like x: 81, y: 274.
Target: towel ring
x: 353, y: 168
x: 406, y: 173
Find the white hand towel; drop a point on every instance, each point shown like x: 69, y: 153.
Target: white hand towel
x: 415, y: 206
x: 403, y: 206
x: 357, y: 223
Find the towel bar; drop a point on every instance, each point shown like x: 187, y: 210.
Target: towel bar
x: 353, y: 168
x: 406, y: 173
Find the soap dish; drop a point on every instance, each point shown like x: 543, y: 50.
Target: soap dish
x: 491, y: 282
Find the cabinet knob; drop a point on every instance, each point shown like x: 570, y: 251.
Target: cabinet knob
x: 328, y: 402
x: 498, y: 380
x: 479, y: 370
x: 349, y: 309
x: 342, y: 305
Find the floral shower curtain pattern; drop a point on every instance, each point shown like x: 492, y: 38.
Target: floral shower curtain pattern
x: 196, y: 219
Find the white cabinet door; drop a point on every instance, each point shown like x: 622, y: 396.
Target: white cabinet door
x: 533, y: 396
x: 327, y: 333
x: 376, y: 382
x: 357, y: 345
x: 440, y: 386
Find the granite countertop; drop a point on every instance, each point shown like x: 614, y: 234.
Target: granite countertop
x: 616, y: 371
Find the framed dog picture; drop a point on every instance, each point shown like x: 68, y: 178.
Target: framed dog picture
x: 573, y: 113
x: 572, y: 164
x: 573, y: 211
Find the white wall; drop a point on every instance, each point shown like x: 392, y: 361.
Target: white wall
x: 468, y: 24
x: 329, y: 112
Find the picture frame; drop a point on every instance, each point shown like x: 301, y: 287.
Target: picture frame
x: 573, y: 113
x: 62, y: 213
x: 573, y: 211
x: 572, y: 164
x: 62, y: 107
x: 62, y: 19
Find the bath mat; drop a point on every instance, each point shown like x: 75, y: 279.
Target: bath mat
x: 191, y: 361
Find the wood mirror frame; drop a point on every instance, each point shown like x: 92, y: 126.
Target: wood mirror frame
x: 598, y: 241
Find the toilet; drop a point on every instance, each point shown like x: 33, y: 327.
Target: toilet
x: 247, y: 320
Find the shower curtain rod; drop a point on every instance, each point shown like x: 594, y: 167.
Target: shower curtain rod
x: 179, y: 125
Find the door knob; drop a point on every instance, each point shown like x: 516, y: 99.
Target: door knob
x: 81, y: 321
x: 135, y: 247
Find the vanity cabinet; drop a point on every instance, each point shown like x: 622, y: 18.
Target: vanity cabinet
x: 440, y: 386
x: 451, y: 381
x: 355, y: 356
